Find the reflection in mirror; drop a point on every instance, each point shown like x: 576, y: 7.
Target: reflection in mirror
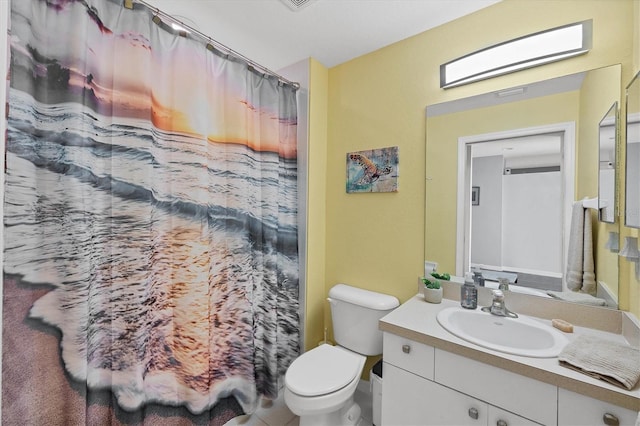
x: 607, y: 170
x: 518, y: 147
x: 632, y: 181
x: 521, y: 210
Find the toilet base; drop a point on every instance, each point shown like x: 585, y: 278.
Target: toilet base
x: 348, y: 415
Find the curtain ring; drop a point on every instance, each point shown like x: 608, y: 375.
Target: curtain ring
x: 209, y: 45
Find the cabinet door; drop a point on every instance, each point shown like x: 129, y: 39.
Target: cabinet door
x: 576, y: 409
x: 408, y: 399
x: 499, y: 417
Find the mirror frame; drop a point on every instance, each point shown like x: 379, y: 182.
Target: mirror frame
x: 610, y: 118
x: 630, y: 119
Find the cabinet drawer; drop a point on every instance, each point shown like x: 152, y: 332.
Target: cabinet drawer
x: 529, y: 398
x: 409, y: 355
x: 576, y: 409
x: 498, y: 417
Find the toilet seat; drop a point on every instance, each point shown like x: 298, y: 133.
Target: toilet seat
x: 322, y: 370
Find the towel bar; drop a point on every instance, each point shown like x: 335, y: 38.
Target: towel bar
x: 592, y: 203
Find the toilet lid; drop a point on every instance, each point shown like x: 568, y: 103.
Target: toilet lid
x: 322, y: 370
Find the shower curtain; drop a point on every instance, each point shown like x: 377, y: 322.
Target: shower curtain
x: 150, y: 252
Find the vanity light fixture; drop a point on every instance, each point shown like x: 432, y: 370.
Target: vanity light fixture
x: 613, y: 243
x: 518, y: 54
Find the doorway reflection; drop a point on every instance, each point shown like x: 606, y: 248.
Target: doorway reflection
x: 519, y: 210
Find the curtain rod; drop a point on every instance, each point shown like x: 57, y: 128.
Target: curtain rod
x: 211, y: 42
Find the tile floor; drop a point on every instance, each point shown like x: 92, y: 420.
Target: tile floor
x: 278, y: 414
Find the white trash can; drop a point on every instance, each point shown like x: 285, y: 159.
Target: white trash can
x: 376, y: 392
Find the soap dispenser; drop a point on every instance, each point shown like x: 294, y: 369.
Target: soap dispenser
x: 478, y: 279
x: 469, y: 293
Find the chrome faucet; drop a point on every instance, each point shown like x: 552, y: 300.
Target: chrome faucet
x: 503, y: 283
x: 498, y: 307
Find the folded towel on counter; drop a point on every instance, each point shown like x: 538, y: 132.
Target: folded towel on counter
x: 573, y: 296
x: 613, y: 362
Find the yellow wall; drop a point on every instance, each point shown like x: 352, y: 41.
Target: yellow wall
x: 316, y: 243
x: 636, y: 35
x: 376, y: 241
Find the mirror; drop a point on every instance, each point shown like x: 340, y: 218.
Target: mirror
x: 607, y: 130
x: 632, y: 198
x: 514, y: 151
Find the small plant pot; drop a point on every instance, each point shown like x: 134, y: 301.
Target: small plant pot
x: 432, y: 295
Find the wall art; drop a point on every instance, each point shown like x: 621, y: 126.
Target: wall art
x: 374, y: 170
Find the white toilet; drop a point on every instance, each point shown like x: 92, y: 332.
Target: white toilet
x: 320, y: 384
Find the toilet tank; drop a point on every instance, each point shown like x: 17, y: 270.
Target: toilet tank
x: 355, y: 313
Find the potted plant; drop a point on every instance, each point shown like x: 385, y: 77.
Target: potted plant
x: 444, y: 276
x: 431, y: 289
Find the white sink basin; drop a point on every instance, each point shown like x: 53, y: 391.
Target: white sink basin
x: 522, y: 336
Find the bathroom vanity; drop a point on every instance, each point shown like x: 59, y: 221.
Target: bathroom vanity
x: 431, y: 377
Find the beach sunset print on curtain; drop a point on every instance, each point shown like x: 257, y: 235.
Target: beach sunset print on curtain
x: 150, y: 215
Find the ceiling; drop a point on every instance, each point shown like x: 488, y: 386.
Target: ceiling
x: 331, y: 31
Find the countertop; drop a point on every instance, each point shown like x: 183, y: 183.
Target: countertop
x: 416, y: 320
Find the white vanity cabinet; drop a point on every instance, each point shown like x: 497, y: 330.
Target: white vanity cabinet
x: 423, y: 385
x: 411, y: 396
x: 430, y: 377
x: 576, y: 409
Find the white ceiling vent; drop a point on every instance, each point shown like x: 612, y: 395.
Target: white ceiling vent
x: 297, y: 5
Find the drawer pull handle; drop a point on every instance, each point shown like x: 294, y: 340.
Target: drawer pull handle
x: 406, y: 349
x: 473, y: 413
x: 501, y: 423
x: 610, y: 419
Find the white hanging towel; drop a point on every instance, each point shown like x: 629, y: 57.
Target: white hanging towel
x: 588, y: 269
x: 580, y: 270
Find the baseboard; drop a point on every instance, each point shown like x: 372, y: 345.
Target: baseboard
x: 603, y: 292
x: 631, y: 329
